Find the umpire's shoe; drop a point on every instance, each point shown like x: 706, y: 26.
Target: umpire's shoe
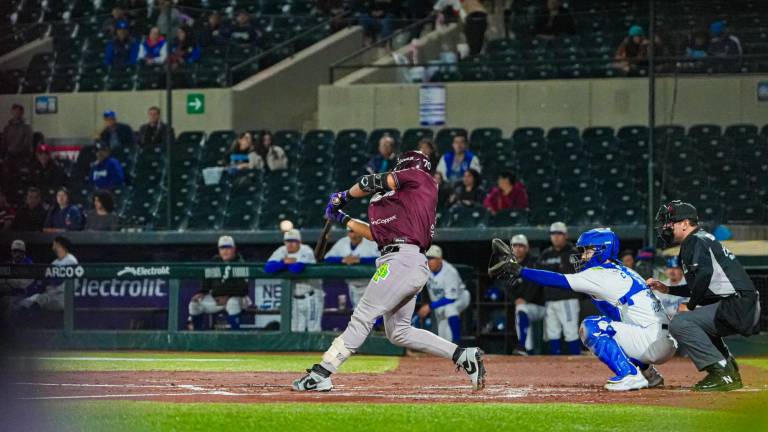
x: 720, y: 378
x: 471, y: 360
x: 317, y: 379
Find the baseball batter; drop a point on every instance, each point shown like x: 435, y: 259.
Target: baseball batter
x: 350, y: 250
x: 402, y: 212
x: 308, y: 294
x: 448, y: 294
x: 633, y: 332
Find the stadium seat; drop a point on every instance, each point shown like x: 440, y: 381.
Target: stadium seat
x: 624, y: 215
x: 290, y: 140
x: 740, y: 130
x: 563, y: 133
x: 509, y: 218
x: 411, y: 138
x: 351, y: 141
x: 526, y: 134
x: 444, y: 138
x: 460, y: 216
x: 705, y: 131
x: 482, y: 138
x: 218, y: 143
x: 633, y: 132
x: 375, y: 137
x: 597, y: 132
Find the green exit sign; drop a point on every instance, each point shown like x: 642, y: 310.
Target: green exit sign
x: 195, y: 103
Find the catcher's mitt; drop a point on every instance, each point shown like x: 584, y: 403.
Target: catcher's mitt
x: 503, y: 263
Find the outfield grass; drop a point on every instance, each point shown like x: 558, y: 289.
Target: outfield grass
x: 757, y: 362
x: 148, y: 416
x: 60, y: 361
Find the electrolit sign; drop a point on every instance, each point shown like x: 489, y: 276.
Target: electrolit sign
x: 121, y: 288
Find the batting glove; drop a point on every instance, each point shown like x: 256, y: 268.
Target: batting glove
x: 341, y: 198
x: 336, y: 215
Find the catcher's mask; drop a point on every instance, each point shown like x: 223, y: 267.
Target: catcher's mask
x: 602, y: 241
x: 668, y: 214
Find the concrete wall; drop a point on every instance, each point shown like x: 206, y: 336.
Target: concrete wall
x: 582, y: 103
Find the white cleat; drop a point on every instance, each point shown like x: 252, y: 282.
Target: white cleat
x: 312, y: 381
x: 627, y: 383
x: 471, y: 360
x: 653, y: 377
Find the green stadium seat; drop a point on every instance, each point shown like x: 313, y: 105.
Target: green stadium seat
x: 625, y: 215
x: 597, y: 132
x: 509, y: 218
x: 351, y: 141
x: 446, y: 75
x: 526, y: 134
x: 444, y: 138
x: 740, y: 130
x: 460, y: 216
x: 547, y: 215
x: 526, y: 149
x: 699, y: 131
x: 632, y: 132
x: 289, y: 140
x: 589, y: 215
x: 564, y: 146
x: 217, y: 144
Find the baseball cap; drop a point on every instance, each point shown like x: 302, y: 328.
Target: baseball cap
x: 292, y: 235
x: 226, y: 242
x: 520, y: 239
x: 679, y: 210
x: 18, y: 245
x: 673, y: 262
x: 43, y: 148
x: 110, y: 114
x: 122, y: 24
x: 636, y: 30
x: 558, y: 227
x: 434, y: 251
x: 716, y: 28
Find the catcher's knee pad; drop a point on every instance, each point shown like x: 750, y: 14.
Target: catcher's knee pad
x: 594, y: 326
x: 337, y: 354
x: 234, y: 306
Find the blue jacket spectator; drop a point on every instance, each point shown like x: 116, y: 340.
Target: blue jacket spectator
x: 64, y: 216
x: 122, y: 50
x: 386, y: 159
x: 453, y: 165
x: 106, y: 172
x: 154, y: 49
x: 723, y: 44
x: 116, y: 134
x: 185, y: 49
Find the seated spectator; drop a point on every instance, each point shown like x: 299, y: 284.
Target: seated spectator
x: 63, y: 216
x: 170, y: 18
x: 7, y: 213
x: 115, y: 134
x: 106, y: 171
x: 454, y: 164
x: 698, y: 46
x: 272, y: 156
x: 509, y: 194
x: 627, y: 258
x: 334, y: 9
x: 472, y: 14
x: 102, y: 218
x: 427, y: 147
x: 46, y: 172
x: 31, y: 216
x: 444, y: 190
x: 13, y: 291
x: 154, y: 49
x: 242, y: 155
x: 214, y: 32
x: 225, y: 294
x: 51, y: 295
x: 469, y: 192
x: 123, y: 49
x: 723, y: 44
x: 633, y: 50
x: 378, y: 20
x: 386, y: 159
x: 17, y: 137
x: 557, y: 20
x: 185, y: 49
x: 110, y: 24
x: 243, y: 32
x: 154, y: 132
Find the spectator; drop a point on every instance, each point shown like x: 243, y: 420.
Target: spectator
x: 106, y: 171
x: 723, y: 44
x: 169, y: 19
x: 116, y: 134
x: 644, y: 264
x: 154, y: 132
x: 123, y: 49
x: 427, y: 147
x: 14, y: 290
x: 474, y: 16
x: 352, y: 250
x: 46, y: 172
x: 334, y: 9
x: 633, y: 50
x: 454, y: 164
x: 225, y: 294
x: 7, y: 213
x: 63, y: 216
x: 243, y: 32
x: 444, y: 190
x: 627, y: 258
x: 555, y: 22
x: 272, y: 156
x: 508, y: 194
x: 308, y: 295
x: 30, y: 217
x: 154, y: 49
x: 242, y: 155
x: 102, y: 218
x: 378, y: 20
x: 215, y: 32
x: 185, y: 49
x: 386, y: 159
x: 112, y: 23
x: 469, y: 192
x: 528, y: 298
x: 52, y: 296
x: 448, y: 294
x: 17, y: 137
x: 698, y: 46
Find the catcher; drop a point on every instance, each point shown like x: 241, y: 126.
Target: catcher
x: 632, y: 334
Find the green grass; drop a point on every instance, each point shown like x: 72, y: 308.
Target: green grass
x: 148, y: 416
x: 68, y: 361
x: 757, y: 362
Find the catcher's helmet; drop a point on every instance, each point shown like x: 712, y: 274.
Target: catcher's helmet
x: 605, y: 243
x: 414, y: 159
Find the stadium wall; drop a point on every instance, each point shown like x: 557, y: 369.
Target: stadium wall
x: 616, y: 102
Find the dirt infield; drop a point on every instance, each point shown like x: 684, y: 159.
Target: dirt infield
x: 418, y: 379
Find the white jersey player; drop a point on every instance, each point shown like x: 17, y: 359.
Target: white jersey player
x: 354, y: 249
x: 674, y: 273
x: 308, y: 295
x: 52, y: 297
x: 632, y: 334
x: 448, y: 294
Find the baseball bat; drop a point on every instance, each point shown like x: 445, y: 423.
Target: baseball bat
x: 322, y: 242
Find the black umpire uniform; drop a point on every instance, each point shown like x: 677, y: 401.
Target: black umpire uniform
x: 723, y: 300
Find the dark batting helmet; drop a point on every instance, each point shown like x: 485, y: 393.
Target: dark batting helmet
x: 414, y: 159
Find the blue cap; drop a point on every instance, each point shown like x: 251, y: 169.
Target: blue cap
x: 673, y: 262
x: 716, y: 28
x: 122, y: 24
x: 636, y: 30
x: 109, y: 114
x: 722, y: 233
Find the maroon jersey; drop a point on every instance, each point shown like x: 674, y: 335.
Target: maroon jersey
x: 407, y: 214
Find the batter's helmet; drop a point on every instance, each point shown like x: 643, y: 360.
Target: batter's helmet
x: 414, y: 159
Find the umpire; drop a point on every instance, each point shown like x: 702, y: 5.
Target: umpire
x: 723, y: 299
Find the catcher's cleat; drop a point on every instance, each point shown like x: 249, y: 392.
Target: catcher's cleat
x: 627, y: 382
x: 471, y: 360
x: 654, y: 378
x: 316, y: 379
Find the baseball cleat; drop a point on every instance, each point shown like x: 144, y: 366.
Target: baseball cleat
x: 720, y: 378
x: 653, y: 376
x: 627, y: 383
x: 313, y: 381
x: 471, y: 360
